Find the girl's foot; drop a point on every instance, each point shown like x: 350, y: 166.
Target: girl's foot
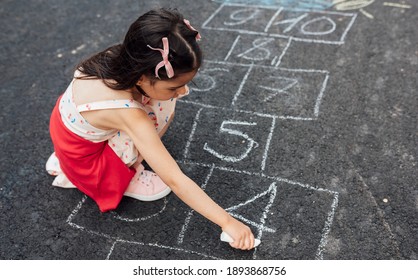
x: 147, y: 186
x: 52, y: 166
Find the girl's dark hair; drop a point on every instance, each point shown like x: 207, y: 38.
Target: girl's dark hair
x: 121, y: 66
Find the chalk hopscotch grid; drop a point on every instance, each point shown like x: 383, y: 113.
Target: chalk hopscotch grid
x: 116, y: 240
x: 335, y: 195
x: 269, y: 24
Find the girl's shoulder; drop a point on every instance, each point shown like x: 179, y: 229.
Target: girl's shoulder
x: 95, y: 90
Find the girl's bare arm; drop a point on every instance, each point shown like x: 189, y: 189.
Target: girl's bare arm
x: 142, y: 132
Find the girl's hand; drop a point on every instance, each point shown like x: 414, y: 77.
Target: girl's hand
x: 240, y: 233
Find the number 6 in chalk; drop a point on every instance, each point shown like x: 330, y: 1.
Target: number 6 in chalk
x: 225, y: 237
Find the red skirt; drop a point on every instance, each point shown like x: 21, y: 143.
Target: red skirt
x: 94, y: 168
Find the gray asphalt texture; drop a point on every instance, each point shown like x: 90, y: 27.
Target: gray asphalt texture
x: 312, y: 141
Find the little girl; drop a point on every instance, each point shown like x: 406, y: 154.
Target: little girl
x: 114, y: 112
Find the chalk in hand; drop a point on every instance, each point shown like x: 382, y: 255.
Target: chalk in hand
x: 225, y: 237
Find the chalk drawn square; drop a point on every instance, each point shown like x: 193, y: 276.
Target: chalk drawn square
x: 258, y: 50
x: 242, y: 18
x: 231, y: 139
x: 216, y: 84
x: 288, y: 217
x: 310, y: 26
x: 289, y: 93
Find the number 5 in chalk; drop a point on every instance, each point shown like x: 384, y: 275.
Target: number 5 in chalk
x: 225, y: 237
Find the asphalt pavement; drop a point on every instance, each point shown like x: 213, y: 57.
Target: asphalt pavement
x: 302, y: 123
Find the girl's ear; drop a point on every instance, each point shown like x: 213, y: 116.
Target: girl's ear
x: 143, y: 80
x: 140, y: 81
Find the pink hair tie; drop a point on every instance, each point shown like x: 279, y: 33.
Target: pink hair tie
x: 164, y: 62
x: 187, y: 23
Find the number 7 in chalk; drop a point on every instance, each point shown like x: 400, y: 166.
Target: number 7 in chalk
x: 225, y: 237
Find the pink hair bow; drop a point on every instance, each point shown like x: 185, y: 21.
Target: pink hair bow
x: 187, y: 23
x: 164, y: 62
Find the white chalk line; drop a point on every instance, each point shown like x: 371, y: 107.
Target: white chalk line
x: 76, y: 209
x: 273, y: 189
x: 295, y: 38
x: 111, y: 250
x: 284, y: 117
x: 269, y: 137
x: 314, y: 41
x: 364, y: 12
x: 273, y: 61
x: 185, y: 226
x: 284, y: 52
x: 161, y: 246
x: 257, y: 174
x: 189, y: 141
x: 140, y: 219
x: 275, y: 7
x: 241, y: 86
x: 244, y: 111
x: 380, y: 212
x: 232, y: 48
x: 320, y: 96
x: 224, y: 108
x: 266, y: 66
x: 272, y: 19
x: 327, y: 228
x: 397, y: 5
x: 348, y: 27
x: 213, y: 15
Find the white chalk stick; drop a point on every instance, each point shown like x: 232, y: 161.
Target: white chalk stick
x: 225, y: 237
